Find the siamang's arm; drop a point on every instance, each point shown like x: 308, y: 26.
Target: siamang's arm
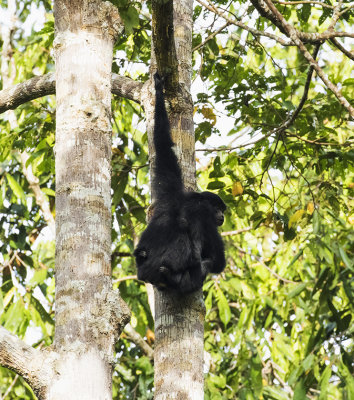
x: 167, y: 178
x: 213, y: 255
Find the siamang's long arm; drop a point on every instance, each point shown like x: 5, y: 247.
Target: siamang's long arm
x: 167, y: 178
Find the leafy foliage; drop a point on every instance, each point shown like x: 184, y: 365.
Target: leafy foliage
x: 279, y: 319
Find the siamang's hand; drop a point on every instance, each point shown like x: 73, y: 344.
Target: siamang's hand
x: 159, y: 82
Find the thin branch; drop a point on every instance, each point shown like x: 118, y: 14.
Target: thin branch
x: 297, y: 169
x: 294, y: 36
x: 134, y: 336
x: 306, y: 88
x: 266, y: 11
x: 237, y: 232
x: 317, y: 143
x: 240, y: 24
x: 346, y: 10
x: 339, y: 46
x: 38, y: 193
x: 122, y: 254
x: 211, y: 36
x: 259, y: 259
x: 225, y: 148
x: 336, y: 15
x: 268, y: 164
x: 290, y: 3
x: 125, y: 278
x: 8, y: 391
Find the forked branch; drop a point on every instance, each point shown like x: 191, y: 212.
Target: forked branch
x: 30, y: 363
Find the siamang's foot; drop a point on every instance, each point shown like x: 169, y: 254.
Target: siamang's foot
x: 142, y: 254
x: 162, y: 284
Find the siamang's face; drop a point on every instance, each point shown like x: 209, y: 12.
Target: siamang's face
x: 219, y: 216
x: 217, y: 204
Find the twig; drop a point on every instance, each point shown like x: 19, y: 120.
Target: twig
x: 265, y: 11
x: 306, y: 88
x: 346, y: 9
x: 269, y: 161
x: 134, y: 336
x: 294, y: 36
x: 233, y: 233
x: 41, y: 200
x: 255, y: 32
x: 336, y: 15
x: 265, y: 265
x: 297, y: 169
x: 125, y: 278
x: 290, y: 3
x: 315, y: 142
x: 342, y: 48
x: 10, y: 387
x: 211, y: 36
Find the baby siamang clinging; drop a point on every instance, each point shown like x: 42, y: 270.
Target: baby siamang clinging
x: 181, y: 244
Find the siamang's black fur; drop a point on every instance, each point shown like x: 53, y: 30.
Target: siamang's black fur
x: 181, y: 244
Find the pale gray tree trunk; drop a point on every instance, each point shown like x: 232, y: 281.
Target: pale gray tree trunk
x: 86, y: 308
x: 179, y: 320
x: 89, y: 315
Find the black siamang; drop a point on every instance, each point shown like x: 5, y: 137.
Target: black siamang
x: 181, y: 244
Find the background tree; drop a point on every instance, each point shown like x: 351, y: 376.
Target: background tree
x: 278, y: 320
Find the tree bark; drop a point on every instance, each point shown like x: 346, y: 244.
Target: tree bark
x: 40, y: 86
x: 88, y: 312
x: 179, y: 321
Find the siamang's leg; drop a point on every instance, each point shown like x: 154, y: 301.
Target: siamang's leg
x: 192, y: 278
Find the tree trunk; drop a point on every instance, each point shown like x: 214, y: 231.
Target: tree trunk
x: 87, y: 310
x: 179, y: 321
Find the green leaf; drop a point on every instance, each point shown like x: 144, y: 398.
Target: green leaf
x: 130, y: 17
x: 308, y: 362
x: 216, y: 185
x: 223, y: 306
x: 297, y: 290
x: 300, y: 391
x: 324, y: 382
x: 48, y: 191
x: 325, y: 14
x: 16, y: 188
x: 345, y: 258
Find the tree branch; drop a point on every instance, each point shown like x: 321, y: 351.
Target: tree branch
x: 211, y: 36
x: 210, y: 6
x: 293, y: 34
x: 266, y: 10
x: 38, y: 194
x: 31, y: 89
x: 128, y: 88
x: 237, y: 232
x: 280, y: 278
x: 25, y: 360
x: 40, y: 86
x: 336, y: 15
x: 138, y: 340
x: 339, y: 46
x: 291, y: 3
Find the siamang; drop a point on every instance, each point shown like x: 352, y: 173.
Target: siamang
x: 181, y: 243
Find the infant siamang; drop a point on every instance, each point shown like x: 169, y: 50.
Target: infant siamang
x: 181, y: 243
